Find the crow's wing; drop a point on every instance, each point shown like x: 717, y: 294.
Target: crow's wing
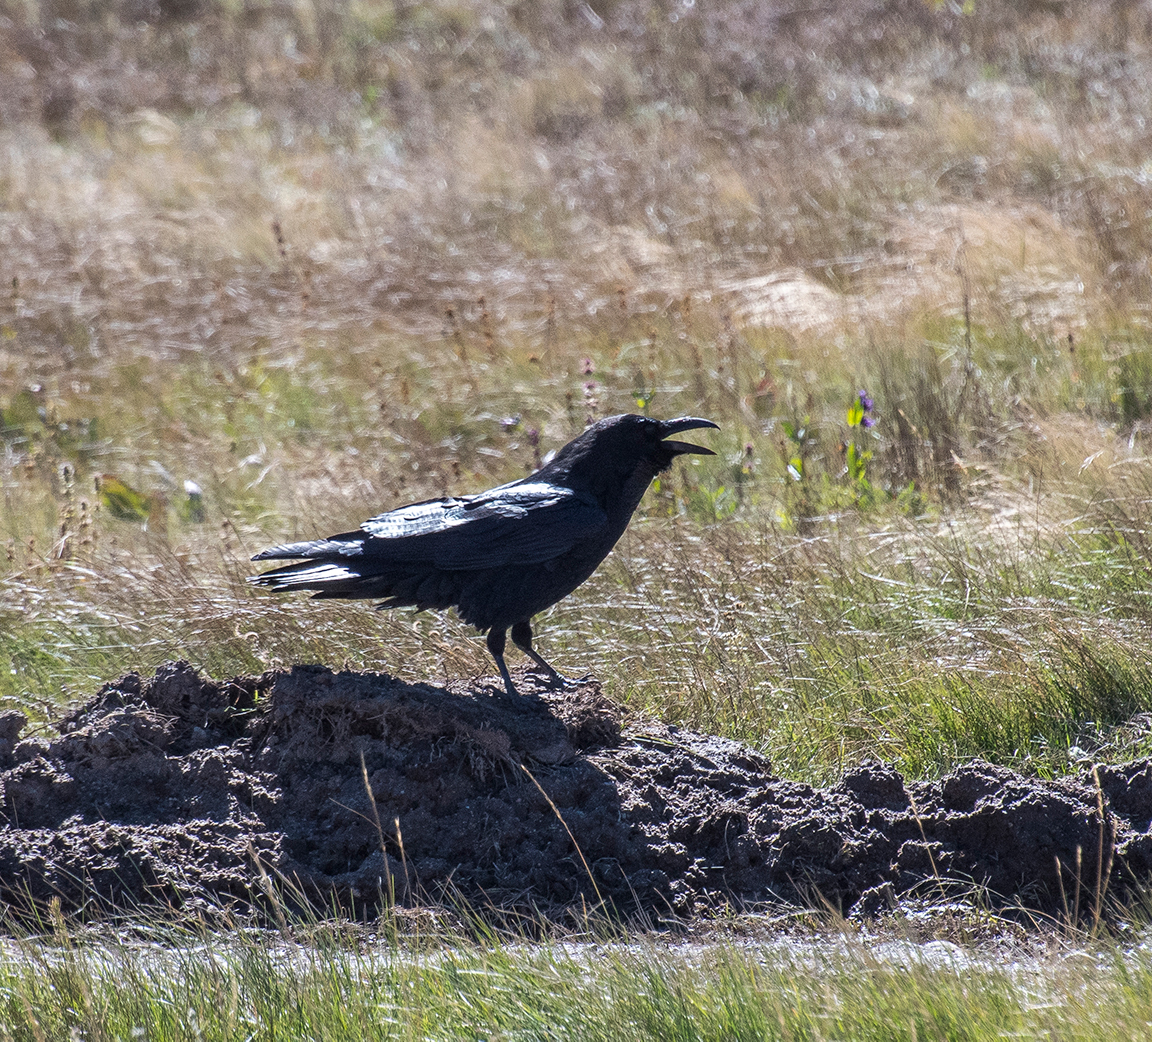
x: 524, y: 523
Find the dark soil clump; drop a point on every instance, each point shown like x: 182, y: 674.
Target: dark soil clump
x: 181, y: 791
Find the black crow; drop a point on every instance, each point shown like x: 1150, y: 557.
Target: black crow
x: 500, y: 556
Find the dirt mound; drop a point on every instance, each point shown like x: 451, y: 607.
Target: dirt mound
x: 181, y: 789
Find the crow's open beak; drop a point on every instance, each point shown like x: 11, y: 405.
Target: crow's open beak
x: 686, y: 423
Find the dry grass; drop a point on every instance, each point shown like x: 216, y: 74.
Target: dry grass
x: 324, y: 259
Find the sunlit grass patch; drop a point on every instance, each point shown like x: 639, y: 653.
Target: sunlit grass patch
x: 308, y: 266
x: 751, y: 597
x: 262, y: 986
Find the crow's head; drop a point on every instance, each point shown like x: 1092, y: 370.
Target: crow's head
x: 624, y: 450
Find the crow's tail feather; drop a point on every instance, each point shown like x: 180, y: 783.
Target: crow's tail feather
x: 336, y: 548
x: 327, y: 578
x: 336, y: 568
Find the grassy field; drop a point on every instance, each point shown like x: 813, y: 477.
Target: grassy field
x: 818, y: 987
x: 266, y: 270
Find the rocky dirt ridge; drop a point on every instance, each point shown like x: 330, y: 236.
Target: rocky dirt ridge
x: 181, y: 790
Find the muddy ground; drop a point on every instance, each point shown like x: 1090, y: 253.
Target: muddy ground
x: 180, y: 791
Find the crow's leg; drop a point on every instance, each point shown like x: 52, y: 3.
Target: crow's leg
x: 522, y: 638
x: 496, y: 642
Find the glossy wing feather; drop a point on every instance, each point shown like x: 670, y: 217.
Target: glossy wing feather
x: 513, y: 525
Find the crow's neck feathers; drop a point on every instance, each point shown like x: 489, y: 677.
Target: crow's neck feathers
x: 613, y: 463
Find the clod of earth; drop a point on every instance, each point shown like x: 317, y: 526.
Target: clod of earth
x: 184, y: 791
